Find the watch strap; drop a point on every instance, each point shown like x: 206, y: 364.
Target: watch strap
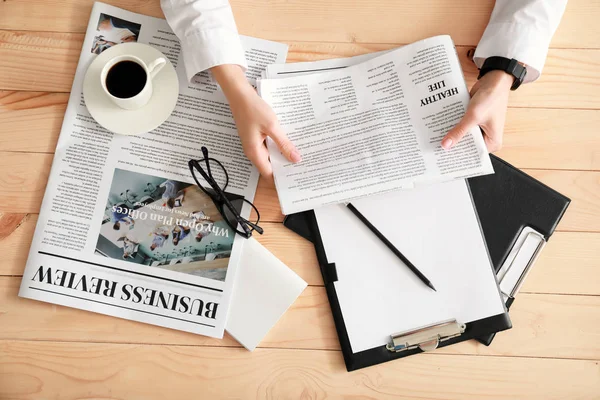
x: 510, y: 66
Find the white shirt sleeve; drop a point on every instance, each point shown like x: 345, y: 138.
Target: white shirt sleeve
x: 207, y: 32
x: 521, y: 29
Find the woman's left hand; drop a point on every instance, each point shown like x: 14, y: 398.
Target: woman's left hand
x: 489, y: 101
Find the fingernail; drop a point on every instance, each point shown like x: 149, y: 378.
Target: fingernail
x: 295, y: 156
x: 447, y: 143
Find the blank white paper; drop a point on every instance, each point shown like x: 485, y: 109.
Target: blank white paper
x: 437, y: 229
x: 264, y: 289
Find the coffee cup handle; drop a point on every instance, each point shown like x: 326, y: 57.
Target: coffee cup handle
x: 155, y: 66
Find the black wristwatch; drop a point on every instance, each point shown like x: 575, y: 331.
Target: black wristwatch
x: 510, y: 66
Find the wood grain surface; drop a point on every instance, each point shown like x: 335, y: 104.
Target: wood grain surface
x: 553, y: 350
x: 41, y: 369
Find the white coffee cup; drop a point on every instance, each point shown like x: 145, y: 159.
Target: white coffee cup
x: 142, y: 98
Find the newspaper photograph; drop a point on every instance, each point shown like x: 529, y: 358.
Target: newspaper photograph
x: 170, y: 224
x: 124, y: 229
x: 111, y: 31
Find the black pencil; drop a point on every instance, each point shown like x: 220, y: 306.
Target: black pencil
x: 390, y: 245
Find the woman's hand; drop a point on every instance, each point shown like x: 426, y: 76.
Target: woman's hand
x: 254, y: 118
x: 489, y: 101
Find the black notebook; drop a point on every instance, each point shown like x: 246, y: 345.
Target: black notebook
x: 508, y: 203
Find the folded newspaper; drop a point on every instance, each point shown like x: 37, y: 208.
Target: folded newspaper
x: 371, y: 124
x: 122, y: 229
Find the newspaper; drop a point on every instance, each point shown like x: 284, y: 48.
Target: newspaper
x: 122, y: 228
x: 371, y: 124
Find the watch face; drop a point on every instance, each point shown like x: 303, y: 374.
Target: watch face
x: 520, y: 77
x: 523, y: 73
x: 518, y: 71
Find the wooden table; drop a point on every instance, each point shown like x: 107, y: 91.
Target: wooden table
x: 552, y: 132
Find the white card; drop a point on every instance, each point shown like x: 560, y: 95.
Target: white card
x: 264, y: 289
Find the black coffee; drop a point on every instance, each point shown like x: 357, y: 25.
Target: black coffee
x: 125, y: 79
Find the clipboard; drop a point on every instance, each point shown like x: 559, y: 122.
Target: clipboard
x: 432, y: 333
x: 510, y: 206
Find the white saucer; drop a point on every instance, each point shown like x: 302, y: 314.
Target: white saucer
x: 165, y: 87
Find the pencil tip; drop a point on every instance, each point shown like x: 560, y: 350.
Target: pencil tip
x: 431, y: 286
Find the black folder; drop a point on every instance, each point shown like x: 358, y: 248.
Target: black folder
x: 506, y: 203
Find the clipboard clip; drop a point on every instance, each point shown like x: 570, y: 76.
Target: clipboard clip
x: 426, y: 338
x: 521, y: 258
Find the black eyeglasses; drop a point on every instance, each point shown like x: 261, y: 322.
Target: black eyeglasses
x: 228, y: 204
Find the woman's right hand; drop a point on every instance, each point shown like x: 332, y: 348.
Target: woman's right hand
x: 254, y: 118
